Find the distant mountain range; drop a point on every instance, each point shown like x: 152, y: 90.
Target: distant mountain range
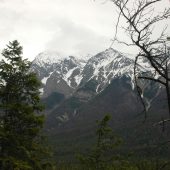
x: 78, y: 91
x: 68, y: 76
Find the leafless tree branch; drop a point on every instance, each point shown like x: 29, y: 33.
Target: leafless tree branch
x: 141, y: 19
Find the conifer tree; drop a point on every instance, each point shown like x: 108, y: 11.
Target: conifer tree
x: 20, y: 121
x: 102, y: 155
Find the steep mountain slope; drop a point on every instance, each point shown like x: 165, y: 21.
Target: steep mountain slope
x: 71, y: 127
x: 105, y: 66
x: 116, y: 98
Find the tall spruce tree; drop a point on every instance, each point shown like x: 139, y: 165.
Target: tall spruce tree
x: 20, y: 122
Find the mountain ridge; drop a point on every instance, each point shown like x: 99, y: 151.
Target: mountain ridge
x: 74, y: 72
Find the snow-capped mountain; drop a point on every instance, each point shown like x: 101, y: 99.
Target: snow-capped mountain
x: 67, y: 74
x: 106, y: 66
x: 57, y: 73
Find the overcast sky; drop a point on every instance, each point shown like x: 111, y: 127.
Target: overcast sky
x: 70, y: 27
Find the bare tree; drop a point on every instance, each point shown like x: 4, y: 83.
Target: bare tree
x: 141, y: 21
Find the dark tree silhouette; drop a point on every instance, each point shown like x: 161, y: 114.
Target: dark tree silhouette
x: 20, y: 122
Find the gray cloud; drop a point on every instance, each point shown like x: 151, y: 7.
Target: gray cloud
x: 75, y: 27
x: 70, y: 27
x: 75, y: 39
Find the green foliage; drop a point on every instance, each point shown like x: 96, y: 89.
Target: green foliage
x: 20, y: 122
x: 102, y: 154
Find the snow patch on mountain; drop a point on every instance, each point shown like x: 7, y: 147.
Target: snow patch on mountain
x: 41, y: 90
x: 44, y: 80
x: 78, y: 79
x: 68, y: 75
x: 49, y: 58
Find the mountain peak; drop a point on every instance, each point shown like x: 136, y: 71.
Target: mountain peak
x: 48, y: 57
x: 111, y: 50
